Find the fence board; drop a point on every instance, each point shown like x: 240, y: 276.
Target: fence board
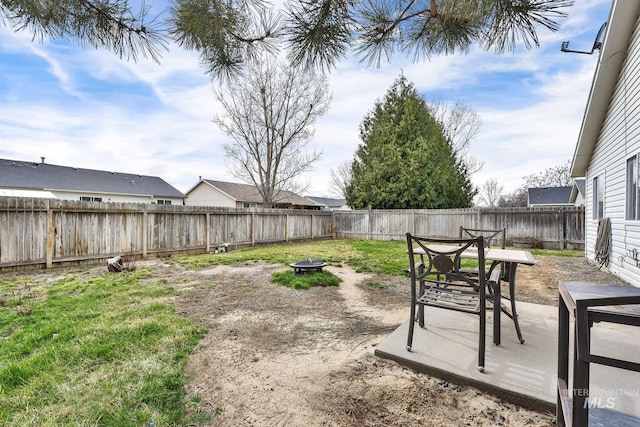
x: 549, y: 228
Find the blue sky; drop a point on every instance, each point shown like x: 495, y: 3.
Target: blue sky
x: 87, y: 108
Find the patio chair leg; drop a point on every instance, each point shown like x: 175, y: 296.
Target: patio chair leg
x: 515, y: 321
x: 483, y: 334
x: 421, y: 289
x: 412, y: 322
x: 512, y: 298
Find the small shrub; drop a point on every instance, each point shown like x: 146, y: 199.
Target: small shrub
x: 306, y: 280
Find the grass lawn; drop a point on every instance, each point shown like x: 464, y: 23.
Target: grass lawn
x: 365, y: 256
x: 92, y: 350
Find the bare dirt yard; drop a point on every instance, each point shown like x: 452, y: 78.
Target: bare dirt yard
x: 276, y: 356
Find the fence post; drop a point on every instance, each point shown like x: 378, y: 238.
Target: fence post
x: 369, y: 226
x: 311, y: 226
x: 413, y: 221
x: 334, y: 227
x: 253, y: 228
x: 207, y: 232
x: 145, y: 223
x: 286, y: 227
x: 50, y: 236
x: 563, y: 234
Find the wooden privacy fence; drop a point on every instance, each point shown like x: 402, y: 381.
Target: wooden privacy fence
x: 552, y: 228
x: 47, y: 232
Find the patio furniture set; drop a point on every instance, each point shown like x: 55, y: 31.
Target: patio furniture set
x: 439, y: 280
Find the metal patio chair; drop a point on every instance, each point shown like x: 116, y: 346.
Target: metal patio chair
x: 491, y: 237
x: 496, y: 238
x: 436, y: 280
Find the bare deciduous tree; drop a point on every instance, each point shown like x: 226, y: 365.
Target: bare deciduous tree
x: 340, y: 178
x: 556, y: 176
x: 270, y: 115
x: 518, y: 199
x: 461, y: 124
x: 490, y: 193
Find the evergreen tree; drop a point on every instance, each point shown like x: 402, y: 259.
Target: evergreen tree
x: 405, y: 161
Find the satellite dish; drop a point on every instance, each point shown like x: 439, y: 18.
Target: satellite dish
x: 597, y: 44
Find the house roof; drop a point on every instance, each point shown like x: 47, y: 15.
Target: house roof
x: 579, y: 184
x: 250, y: 193
x: 44, y: 176
x: 620, y: 25
x: 578, y: 189
x: 550, y: 195
x: 327, y: 201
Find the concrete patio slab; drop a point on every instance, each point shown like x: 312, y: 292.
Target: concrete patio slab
x: 524, y: 374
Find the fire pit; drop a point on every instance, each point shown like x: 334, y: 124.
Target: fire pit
x: 308, y: 266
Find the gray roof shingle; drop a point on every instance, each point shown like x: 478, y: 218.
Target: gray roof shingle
x: 328, y: 201
x: 550, y: 195
x: 580, y: 183
x: 44, y: 176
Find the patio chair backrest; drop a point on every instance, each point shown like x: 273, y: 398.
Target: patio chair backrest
x: 436, y: 261
x: 495, y: 237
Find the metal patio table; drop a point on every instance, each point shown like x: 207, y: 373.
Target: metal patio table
x: 587, y: 303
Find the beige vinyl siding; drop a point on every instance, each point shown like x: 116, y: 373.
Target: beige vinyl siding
x: 113, y: 197
x: 619, y: 140
x: 206, y: 195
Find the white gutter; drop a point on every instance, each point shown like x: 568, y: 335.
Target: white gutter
x: 620, y: 26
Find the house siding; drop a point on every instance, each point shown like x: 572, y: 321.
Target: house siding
x: 206, y: 195
x: 579, y: 200
x: 619, y: 140
x: 114, y: 198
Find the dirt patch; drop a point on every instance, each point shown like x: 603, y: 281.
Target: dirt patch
x: 539, y: 283
x: 276, y: 356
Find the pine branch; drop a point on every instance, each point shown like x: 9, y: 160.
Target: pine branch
x: 232, y: 34
x: 514, y: 20
x: 108, y: 24
x: 228, y: 34
x: 318, y: 32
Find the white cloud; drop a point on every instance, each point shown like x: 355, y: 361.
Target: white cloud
x: 88, y: 108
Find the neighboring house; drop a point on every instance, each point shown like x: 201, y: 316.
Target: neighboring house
x: 233, y: 195
x: 577, y: 192
x: 549, y: 197
x: 28, y: 179
x: 31, y: 194
x: 329, y: 204
x: 607, y: 153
